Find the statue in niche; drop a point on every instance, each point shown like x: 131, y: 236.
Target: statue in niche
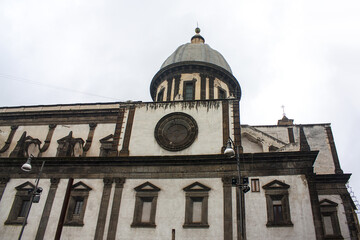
x: 70, y: 147
x: 26, y: 146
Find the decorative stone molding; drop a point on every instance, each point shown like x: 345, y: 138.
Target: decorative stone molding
x: 176, y: 131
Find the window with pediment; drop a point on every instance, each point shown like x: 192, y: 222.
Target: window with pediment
x: 277, y: 203
x: 330, y: 219
x: 21, y: 204
x: 196, y: 206
x: 77, y: 204
x: 145, y: 205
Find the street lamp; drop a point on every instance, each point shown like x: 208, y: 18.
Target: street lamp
x: 35, y: 193
x: 242, y: 183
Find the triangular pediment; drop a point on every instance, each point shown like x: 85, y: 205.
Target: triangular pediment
x: 147, y: 187
x: 327, y: 203
x: 25, y: 186
x: 276, y: 184
x: 196, y: 187
x: 107, y: 139
x: 80, y: 186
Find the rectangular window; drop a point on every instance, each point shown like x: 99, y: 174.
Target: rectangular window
x: 78, y: 206
x: 277, y: 204
x: 145, y: 205
x: 146, y: 210
x: 196, y: 206
x: 328, y: 228
x: 189, y: 90
x: 255, y: 185
x: 197, y: 210
x: 278, y: 212
x: 330, y: 219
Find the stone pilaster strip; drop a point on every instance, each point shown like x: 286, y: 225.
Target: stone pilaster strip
x: 47, y: 208
x: 169, y: 89
x: 100, y: 226
x: 228, y: 227
x: 237, y: 128
x: 177, y: 84
x: 115, y: 210
x: 211, y: 87
x: 315, y: 206
x: 130, y: 120
x: 118, y: 128
x: 203, y: 87
x: 349, y: 213
x: 3, y: 183
x: 225, y: 125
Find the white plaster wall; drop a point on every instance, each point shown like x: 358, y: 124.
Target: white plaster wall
x: 279, y: 132
x: 13, y: 231
x: 250, y: 146
x: 340, y: 212
x: 209, y: 121
x: 91, y: 212
x: 317, y: 139
x: 300, y: 210
x: 170, y: 211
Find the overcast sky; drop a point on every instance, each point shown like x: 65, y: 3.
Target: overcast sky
x: 301, y: 54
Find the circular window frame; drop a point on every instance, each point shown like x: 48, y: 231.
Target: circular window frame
x: 162, y: 132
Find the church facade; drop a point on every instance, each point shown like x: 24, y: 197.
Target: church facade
x: 158, y: 170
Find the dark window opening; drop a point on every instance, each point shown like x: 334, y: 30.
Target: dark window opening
x: 24, y: 208
x: 160, y: 96
x: 222, y: 93
x: 278, y: 212
x: 78, y: 206
x: 189, y: 91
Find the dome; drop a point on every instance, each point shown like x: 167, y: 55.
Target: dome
x: 198, y: 52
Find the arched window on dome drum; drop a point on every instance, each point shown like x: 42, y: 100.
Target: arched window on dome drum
x: 160, y: 96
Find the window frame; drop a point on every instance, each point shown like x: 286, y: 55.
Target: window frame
x: 23, y: 193
x: 329, y: 208
x: 146, y: 192
x: 255, y: 185
x: 192, y: 82
x: 277, y: 191
x: 196, y: 192
x: 78, y: 191
x: 223, y: 92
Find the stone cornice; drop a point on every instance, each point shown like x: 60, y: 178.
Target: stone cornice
x: 259, y: 164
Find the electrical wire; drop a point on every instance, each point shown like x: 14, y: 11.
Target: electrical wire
x: 28, y: 81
